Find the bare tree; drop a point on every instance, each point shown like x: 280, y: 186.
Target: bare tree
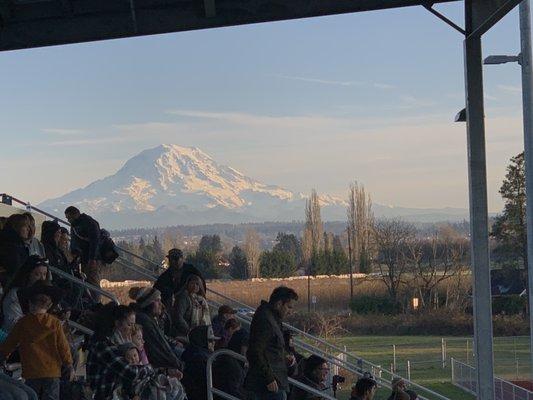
x: 252, y: 249
x: 359, y: 227
x: 435, y: 260
x: 392, y: 238
x: 312, y: 241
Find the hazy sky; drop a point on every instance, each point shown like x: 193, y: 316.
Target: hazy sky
x: 304, y: 104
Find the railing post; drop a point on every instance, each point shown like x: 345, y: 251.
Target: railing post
x: 443, y: 352
x: 394, y: 357
x: 453, y: 370
x: 408, y: 370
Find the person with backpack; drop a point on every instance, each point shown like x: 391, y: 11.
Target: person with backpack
x: 91, y: 243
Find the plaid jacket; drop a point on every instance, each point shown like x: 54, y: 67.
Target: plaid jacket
x: 107, y: 369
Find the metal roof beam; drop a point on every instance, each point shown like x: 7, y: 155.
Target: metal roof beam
x: 46, y: 24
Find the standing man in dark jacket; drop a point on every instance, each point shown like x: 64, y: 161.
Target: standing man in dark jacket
x: 85, y: 240
x: 267, y: 377
x: 174, y: 278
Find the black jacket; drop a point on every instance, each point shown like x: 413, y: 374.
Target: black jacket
x: 300, y: 394
x: 85, y: 238
x: 158, y: 349
x: 194, y: 373
x: 13, y: 253
x: 266, y: 352
x: 228, y: 372
x: 168, y: 286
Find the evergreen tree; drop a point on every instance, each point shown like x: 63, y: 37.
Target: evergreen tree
x: 239, y: 263
x: 277, y: 264
x: 210, y: 244
x: 289, y: 243
x: 509, y: 228
x: 159, y: 254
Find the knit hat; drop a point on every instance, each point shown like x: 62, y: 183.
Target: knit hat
x: 174, y: 253
x: 144, y: 296
x: 225, y: 309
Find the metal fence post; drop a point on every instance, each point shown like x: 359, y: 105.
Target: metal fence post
x: 443, y: 352
x: 453, y: 370
x: 394, y: 357
x: 408, y: 370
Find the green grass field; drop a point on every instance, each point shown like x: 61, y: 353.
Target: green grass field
x: 425, y: 356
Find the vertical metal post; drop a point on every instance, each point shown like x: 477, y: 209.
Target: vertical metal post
x: 479, y: 234
x: 443, y: 352
x: 351, y: 262
x: 453, y: 370
x: 527, y: 105
x: 408, y: 370
x: 467, y: 352
x: 394, y: 357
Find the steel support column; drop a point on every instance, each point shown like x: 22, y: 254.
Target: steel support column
x: 527, y: 104
x: 479, y: 234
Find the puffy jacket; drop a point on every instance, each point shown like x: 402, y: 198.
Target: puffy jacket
x: 195, y: 358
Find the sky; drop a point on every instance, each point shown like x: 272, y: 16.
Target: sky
x: 312, y: 103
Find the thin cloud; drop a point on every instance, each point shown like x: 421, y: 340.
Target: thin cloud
x: 510, y: 88
x: 321, y: 81
x: 384, y: 86
x: 90, y: 142
x: 63, y: 131
x: 412, y: 102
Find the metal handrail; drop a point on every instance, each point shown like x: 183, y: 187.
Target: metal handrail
x: 240, y: 357
x: 47, y: 214
x: 305, y: 346
x: 81, y: 282
x: 80, y: 328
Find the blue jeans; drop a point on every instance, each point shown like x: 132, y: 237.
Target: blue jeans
x: 279, y: 395
x: 46, y: 388
x: 13, y: 389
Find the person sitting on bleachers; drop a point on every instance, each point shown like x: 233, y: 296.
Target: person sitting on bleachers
x: 137, y: 339
x: 35, y: 247
x: 190, y: 307
x: 162, y: 351
x: 13, y: 250
x: 14, y: 389
x: 201, y: 345
x: 172, y: 281
x: 106, y: 367
x: 288, y: 336
x: 232, y: 326
x: 124, y: 317
x: 14, y: 305
x: 43, y: 347
x: 64, y: 246
x: 224, y: 314
x: 398, y: 390
x: 364, y: 389
x: 228, y: 372
x: 314, y: 375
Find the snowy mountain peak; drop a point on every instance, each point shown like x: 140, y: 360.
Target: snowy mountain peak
x: 172, y: 176
x: 171, y: 185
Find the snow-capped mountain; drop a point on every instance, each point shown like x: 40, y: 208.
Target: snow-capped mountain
x: 170, y: 185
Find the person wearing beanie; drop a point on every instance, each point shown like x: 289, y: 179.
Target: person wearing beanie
x: 201, y: 345
x: 314, y: 375
x: 161, y: 351
x: 175, y: 277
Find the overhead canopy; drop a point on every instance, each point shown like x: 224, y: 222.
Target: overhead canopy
x: 35, y: 23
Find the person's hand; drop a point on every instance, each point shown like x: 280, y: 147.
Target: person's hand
x: 175, y: 373
x: 71, y: 375
x: 291, y: 360
x: 272, y: 387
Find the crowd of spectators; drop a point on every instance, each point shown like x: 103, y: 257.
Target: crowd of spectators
x: 157, y: 347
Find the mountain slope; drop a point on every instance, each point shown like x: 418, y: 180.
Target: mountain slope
x: 170, y: 184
